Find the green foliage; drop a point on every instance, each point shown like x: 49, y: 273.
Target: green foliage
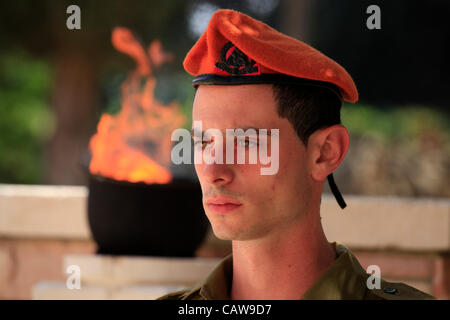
x: 397, y: 151
x: 26, y: 121
x: 394, y: 124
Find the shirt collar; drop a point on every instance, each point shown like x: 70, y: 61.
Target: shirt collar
x: 217, y: 286
x: 344, y: 279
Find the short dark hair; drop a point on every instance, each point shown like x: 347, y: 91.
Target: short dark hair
x: 308, y: 108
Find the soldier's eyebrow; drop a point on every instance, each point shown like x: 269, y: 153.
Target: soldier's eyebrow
x: 195, y: 133
x: 248, y: 128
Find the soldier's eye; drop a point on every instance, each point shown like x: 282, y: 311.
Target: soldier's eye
x: 247, y: 143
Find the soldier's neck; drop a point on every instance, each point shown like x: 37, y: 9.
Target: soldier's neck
x: 282, y: 266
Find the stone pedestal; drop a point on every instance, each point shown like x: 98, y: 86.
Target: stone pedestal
x: 122, y: 277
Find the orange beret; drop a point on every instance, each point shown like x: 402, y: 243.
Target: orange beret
x: 237, y: 49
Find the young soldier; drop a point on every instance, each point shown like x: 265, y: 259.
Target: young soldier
x: 248, y: 75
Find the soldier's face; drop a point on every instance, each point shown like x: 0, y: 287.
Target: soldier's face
x: 240, y: 202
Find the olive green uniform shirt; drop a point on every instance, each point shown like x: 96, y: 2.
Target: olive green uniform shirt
x: 344, y: 279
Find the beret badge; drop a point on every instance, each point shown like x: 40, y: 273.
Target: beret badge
x: 234, y: 62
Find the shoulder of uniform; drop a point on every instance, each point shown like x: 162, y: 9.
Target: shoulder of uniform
x: 398, y: 291
x: 177, y: 295
x: 187, y: 294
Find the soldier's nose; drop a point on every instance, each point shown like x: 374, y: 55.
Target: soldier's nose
x: 213, y: 168
x: 217, y: 174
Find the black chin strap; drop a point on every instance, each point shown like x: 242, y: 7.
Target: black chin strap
x: 335, y: 191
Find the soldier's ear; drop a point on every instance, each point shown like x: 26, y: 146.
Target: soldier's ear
x: 325, y: 150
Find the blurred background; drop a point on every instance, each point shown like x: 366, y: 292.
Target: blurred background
x: 56, y: 83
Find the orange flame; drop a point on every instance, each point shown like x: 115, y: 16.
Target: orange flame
x: 135, y: 144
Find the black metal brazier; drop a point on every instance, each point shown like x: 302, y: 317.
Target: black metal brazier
x: 146, y: 219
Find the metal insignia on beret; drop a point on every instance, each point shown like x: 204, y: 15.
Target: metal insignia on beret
x: 235, y: 62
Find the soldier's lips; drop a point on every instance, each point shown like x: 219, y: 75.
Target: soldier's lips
x: 222, y: 205
x: 222, y: 208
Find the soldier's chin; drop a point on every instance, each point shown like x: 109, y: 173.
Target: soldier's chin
x: 235, y: 234
x: 223, y: 233
x: 223, y: 237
